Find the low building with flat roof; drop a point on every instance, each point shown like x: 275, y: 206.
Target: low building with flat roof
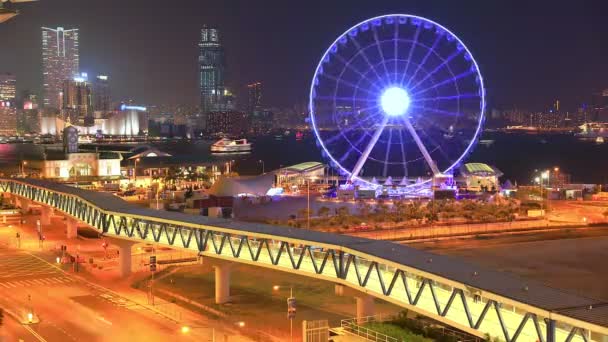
x: 480, y: 177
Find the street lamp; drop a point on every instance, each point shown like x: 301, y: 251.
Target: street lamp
x: 262, y: 162
x: 543, y: 175
x: 290, y: 308
x: 308, y: 203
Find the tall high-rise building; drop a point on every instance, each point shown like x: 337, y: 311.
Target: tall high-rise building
x: 8, y: 87
x: 77, y: 101
x: 254, y: 96
x: 101, y: 94
x: 60, y: 62
x: 211, y: 71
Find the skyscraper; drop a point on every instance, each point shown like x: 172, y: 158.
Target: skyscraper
x: 8, y: 88
x: 77, y: 101
x: 60, y: 62
x: 101, y: 94
x: 254, y: 96
x: 211, y: 70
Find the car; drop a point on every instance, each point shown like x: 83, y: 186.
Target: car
x: 362, y: 227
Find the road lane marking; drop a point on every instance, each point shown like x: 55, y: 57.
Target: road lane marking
x: 104, y: 320
x: 35, y: 334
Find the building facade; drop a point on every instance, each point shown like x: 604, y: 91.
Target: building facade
x: 77, y: 101
x: 254, y: 96
x: 8, y: 120
x: 60, y: 62
x: 8, y: 87
x: 211, y: 70
x: 101, y: 94
x: 227, y: 122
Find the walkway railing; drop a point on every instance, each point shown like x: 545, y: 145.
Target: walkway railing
x: 357, y: 327
x: 475, y: 300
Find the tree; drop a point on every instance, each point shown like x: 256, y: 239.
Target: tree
x: 323, y: 212
x: 364, y: 209
x: 431, y: 213
x: 398, y: 214
x: 342, y: 213
x: 382, y: 211
x: 414, y: 212
x: 303, y: 213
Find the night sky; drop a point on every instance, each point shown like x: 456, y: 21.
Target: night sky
x: 530, y: 52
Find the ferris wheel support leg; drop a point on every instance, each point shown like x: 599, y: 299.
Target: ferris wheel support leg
x: 368, y: 149
x: 421, y: 147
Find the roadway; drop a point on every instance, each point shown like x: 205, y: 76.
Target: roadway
x: 67, y: 309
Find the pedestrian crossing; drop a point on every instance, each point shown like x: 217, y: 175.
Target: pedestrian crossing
x: 24, y: 283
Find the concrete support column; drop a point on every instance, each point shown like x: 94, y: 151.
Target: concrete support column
x: 124, y: 255
x: 365, y: 302
x: 71, y: 226
x: 222, y: 282
x: 45, y: 215
x: 365, y: 306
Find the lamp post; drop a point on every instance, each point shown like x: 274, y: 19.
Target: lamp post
x: 23, y: 164
x: 544, y: 175
x: 308, y: 203
x: 135, y: 169
x: 262, y: 162
x: 291, y: 308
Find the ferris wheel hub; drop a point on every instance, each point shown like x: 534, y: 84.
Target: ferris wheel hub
x: 395, y: 101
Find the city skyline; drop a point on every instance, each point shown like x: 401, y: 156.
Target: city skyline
x: 388, y: 171
x: 283, y: 55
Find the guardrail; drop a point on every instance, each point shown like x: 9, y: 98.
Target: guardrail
x: 356, y: 327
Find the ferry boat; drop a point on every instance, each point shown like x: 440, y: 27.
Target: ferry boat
x: 226, y: 145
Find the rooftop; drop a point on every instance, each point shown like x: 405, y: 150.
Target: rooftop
x: 303, y: 167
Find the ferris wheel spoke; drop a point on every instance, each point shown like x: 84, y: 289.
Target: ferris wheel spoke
x: 396, y: 47
x: 444, y: 82
x: 436, y: 110
x: 365, y: 57
x: 347, y: 130
x: 386, y: 73
x: 424, y: 59
x: 354, y: 147
x: 409, y: 57
x: 350, y: 84
x: 388, y: 150
x: 446, y: 98
x: 437, y: 145
x: 405, y: 173
x: 370, y: 146
x: 342, y: 98
x: 443, y: 64
x: 348, y: 64
x: 421, y: 146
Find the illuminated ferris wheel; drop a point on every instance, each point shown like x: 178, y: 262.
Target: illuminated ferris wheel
x: 398, y: 98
